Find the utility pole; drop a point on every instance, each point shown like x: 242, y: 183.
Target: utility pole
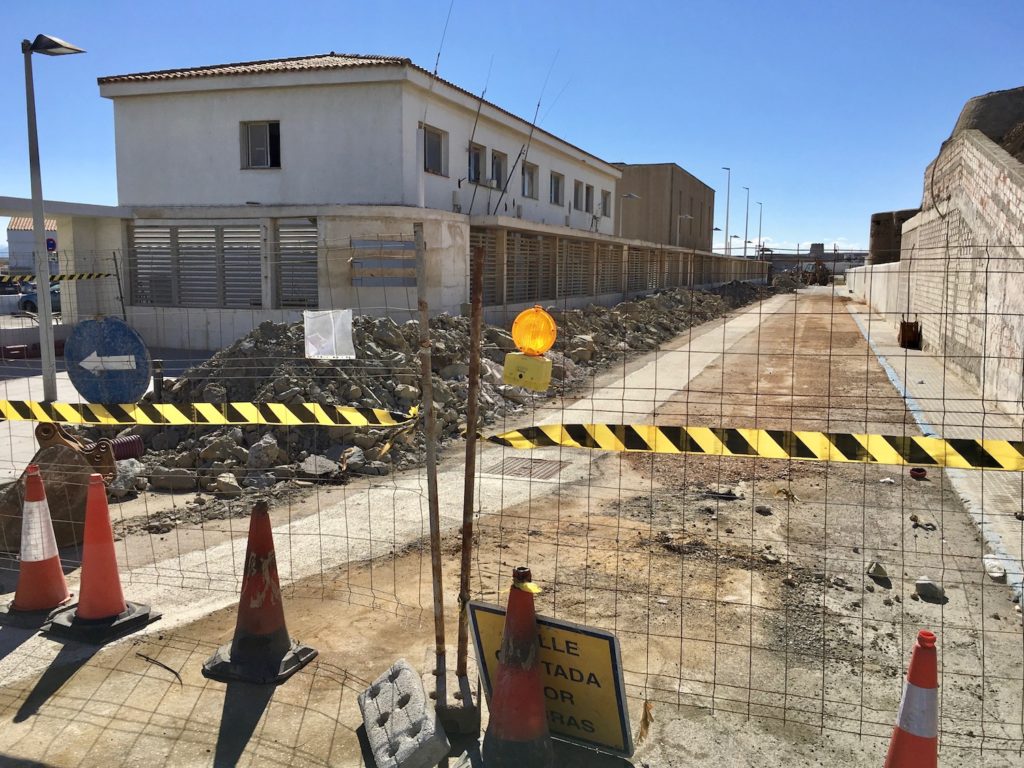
x: 760, y: 215
x: 746, y: 224
x: 728, y: 186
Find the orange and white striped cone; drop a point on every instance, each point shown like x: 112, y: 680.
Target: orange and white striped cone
x: 101, y: 613
x: 41, y: 584
x: 915, y: 739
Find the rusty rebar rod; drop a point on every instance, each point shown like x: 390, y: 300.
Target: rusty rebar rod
x: 476, y: 298
x: 430, y: 437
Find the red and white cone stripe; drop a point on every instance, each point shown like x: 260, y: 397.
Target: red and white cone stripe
x: 915, y: 739
x: 41, y: 584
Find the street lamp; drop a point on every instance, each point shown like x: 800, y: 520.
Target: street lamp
x: 746, y: 224
x: 760, y: 214
x: 622, y: 208
x: 713, y: 230
x: 679, y: 218
x: 48, y: 46
x: 728, y: 188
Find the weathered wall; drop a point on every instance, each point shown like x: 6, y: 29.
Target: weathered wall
x: 962, y: 267
x: 667, y: 192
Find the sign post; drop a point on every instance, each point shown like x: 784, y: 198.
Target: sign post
x: 581, y: 670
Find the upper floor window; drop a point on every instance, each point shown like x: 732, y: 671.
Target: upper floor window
x: 476, y: 163
x: 434, y: 142
x: 557, y: 188
x: 606, y: 203
x: 261, y: 144
x: 590, y: 199
x: 577, y: 195
x: 499, y: 164
x: 529, y: 180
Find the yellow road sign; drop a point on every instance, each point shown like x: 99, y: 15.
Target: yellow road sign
x: 581, y: 670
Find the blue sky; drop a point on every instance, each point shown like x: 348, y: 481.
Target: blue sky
x: 828, y: 111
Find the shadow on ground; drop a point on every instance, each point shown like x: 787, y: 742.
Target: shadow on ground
x: 71, y: 657
x: 244, y: 705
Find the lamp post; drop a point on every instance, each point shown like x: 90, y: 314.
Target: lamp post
x: 728, y: 189
x: 713, y: 230
x: 760, y: 216
x: 679, y: 218
x: 746, y: 224
x: 622, y: 208
x: 48, y: 46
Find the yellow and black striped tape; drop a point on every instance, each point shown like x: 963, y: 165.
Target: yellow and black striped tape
x: 56, y: 278
x: 203, y: 414
x: 961, y: 453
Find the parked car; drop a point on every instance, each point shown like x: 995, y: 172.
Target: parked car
x: 9, y: 289
x: 30, y: 301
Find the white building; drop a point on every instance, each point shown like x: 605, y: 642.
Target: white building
x: 344, y: 130
x: 249, y: 192
x: 21, y: 245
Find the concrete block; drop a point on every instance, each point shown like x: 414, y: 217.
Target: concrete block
x: 460, y: 713
x: 402, y: 726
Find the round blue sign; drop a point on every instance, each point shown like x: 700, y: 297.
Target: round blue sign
x: 51, y: 244
x: 108, y: 361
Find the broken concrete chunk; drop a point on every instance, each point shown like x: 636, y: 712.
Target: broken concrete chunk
x: 994, y: 569
x: 227, y: 485
x: 929, y: 590
x: 172, y: 479
x: 877, y: 571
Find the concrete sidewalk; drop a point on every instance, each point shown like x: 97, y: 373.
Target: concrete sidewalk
x: 945, y: 405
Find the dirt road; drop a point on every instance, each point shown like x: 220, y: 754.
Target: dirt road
x: 737, y: 588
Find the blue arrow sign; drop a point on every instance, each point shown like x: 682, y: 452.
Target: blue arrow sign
x: 108, y: 361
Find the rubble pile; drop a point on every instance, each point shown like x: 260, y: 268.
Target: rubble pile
x: 787, y: 282
x: 268, y: 366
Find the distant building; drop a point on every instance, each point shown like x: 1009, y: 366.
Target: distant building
x: 21, y: 245
x: 672, y: 206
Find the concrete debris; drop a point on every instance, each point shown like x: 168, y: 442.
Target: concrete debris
x: 268, y: 366
x: 929, y: 590
x: 994, y: 569
x: 877, y: 571
x: 887, y: 481
x: 130, y: 479
x: 763, y: 509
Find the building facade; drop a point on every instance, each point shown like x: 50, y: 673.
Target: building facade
x: 344, y: 130
x: 671, y: 206
x: 21, y: 245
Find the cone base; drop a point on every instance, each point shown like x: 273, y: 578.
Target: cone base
x: 66, y: 623
x: 10, y: 616
x: 220, y: 667
x: 504, y: 753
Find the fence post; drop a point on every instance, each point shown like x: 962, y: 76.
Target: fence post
x: 430, y: 434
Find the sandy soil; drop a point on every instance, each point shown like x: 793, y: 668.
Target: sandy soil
x: 754, y: 632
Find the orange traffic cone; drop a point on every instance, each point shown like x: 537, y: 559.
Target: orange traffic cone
x: 517, y: 730
x: 41, y: 585
x: 915, y: 738
x: 261, y: 651
x: 101, y: 613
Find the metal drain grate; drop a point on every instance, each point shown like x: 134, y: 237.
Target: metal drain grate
x: 535, y: 469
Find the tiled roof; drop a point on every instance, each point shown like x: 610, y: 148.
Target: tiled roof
x: 24, y: 224
x: 331, y: 60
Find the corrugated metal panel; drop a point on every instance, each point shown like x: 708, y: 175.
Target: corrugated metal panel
x: 150, y: 268
x: 297, y: 277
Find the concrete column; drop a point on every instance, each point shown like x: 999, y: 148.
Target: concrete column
x: 625, y: 272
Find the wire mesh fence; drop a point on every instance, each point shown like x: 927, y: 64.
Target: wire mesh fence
x: 783, y: 584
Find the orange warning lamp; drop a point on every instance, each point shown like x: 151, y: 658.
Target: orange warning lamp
x: 534, y: 331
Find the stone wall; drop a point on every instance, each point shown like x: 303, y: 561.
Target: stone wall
x: 961, y: 271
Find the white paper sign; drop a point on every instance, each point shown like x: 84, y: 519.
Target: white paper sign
x: 329, y: 334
